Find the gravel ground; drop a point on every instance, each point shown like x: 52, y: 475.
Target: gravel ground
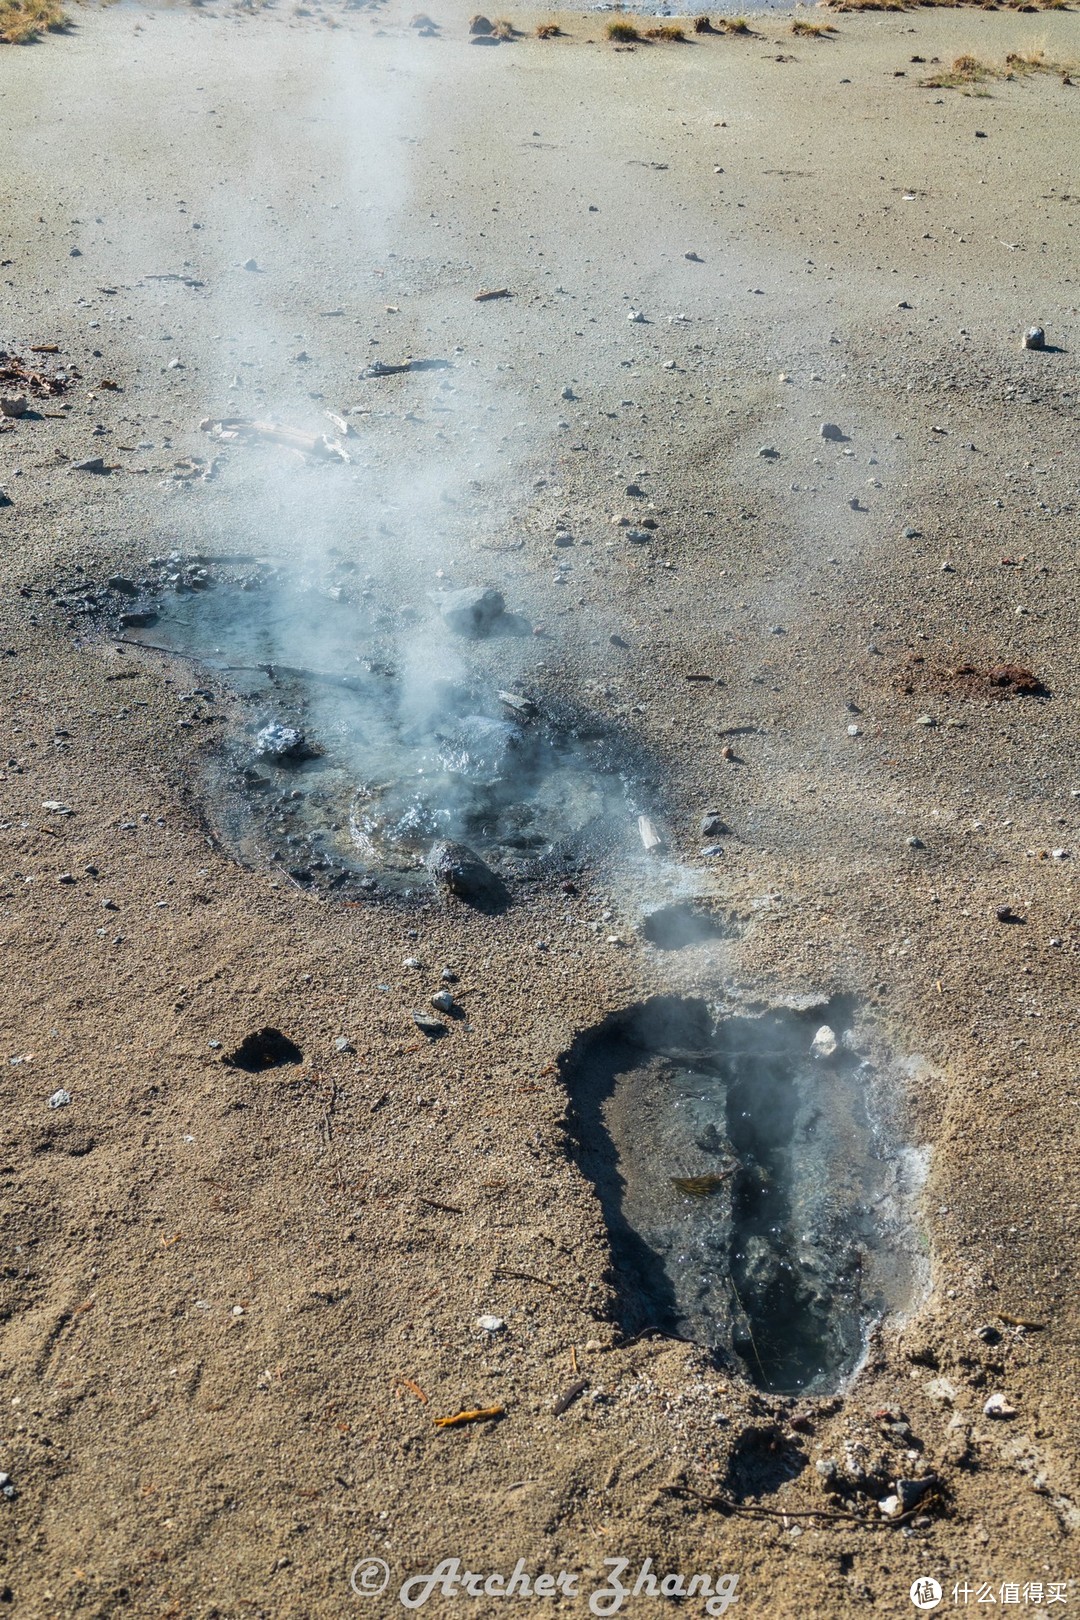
x: 234, y: 1303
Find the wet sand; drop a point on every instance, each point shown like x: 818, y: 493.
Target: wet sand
x: 234, y: 1303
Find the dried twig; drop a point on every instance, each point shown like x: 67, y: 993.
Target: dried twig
x: 477, y: 1415
x: 727, y: 1504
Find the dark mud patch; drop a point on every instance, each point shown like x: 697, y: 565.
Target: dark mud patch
x: 755, y: 1201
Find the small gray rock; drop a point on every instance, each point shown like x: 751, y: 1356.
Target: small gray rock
x: 713, y: 825
x: 833, y: 432
x: 459, y: 870
x: 343, y: 1044
x: 60, y: 1099
x: 1034, y: 338
x: 472, y: 610
x: 912, y: 1491
x: 282, y: 743
x: 443, y: 1001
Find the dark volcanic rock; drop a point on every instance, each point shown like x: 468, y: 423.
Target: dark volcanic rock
x: 471, y: 611
x: 460, y: 871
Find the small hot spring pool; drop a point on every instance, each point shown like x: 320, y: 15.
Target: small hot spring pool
x: 756, y: 1200
x: 370, y: 737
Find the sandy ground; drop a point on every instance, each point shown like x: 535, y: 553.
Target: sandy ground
x: 215, y: 1285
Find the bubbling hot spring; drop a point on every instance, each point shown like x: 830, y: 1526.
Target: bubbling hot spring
x: 372, y: 739
x: 757, y: 1200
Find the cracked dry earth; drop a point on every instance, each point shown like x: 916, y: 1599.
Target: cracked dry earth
x: 235, y: 1299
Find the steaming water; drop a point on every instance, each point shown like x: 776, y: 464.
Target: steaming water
x: 801, y: 1238
x: 406, y: 741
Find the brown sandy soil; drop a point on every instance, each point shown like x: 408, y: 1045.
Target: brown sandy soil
x: 224, y: 1293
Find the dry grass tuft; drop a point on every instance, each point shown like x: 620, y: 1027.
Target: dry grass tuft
x: 982, y: 5
x: 702, y: 25
x: 503, y: 30
x: 624, y: 33
x: 965, y: 72
x: 1035, y: 60
x: 813, y: 30
x: 548, y: 31
x: 666, y: 31
x: 735, y: 25
x: 24, y: 20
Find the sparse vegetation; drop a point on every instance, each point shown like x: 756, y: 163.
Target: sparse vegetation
x: 702, y: 25
x: 24, y: 20
x: 623, y: 33
x: 812, y: 30
x: 503, y: 29
x: 1035, y: 60
x: 666, y: 31
x: 734, y: 25
x: 982, y: 5
x: 548, y: 31
x: 965, y: 72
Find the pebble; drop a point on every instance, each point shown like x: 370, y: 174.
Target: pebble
x: 1034, y: 338
x: 636, y: 318
x: 57, y: 807
x: 66, y: 877
x: 343, y: 1044
x: 854, y: 731
x: 282, y: 742
x: 915, y: 843
x: 831, y: 430
x: 912, y: 1491
x: 13, y: 404
x: 926, y: 720
x: 769, y: 452
x: 472, y: 610
x: 713, y: 849
x: 490, y: 1324
x: 998, y: 1407
x: 60, y: 1099
x: 713, y: 824
x: 638, y: 537
x: 444, y: 1001
x: 824, y: 1043
x: 412, y: 962
x: 429, y: 1026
